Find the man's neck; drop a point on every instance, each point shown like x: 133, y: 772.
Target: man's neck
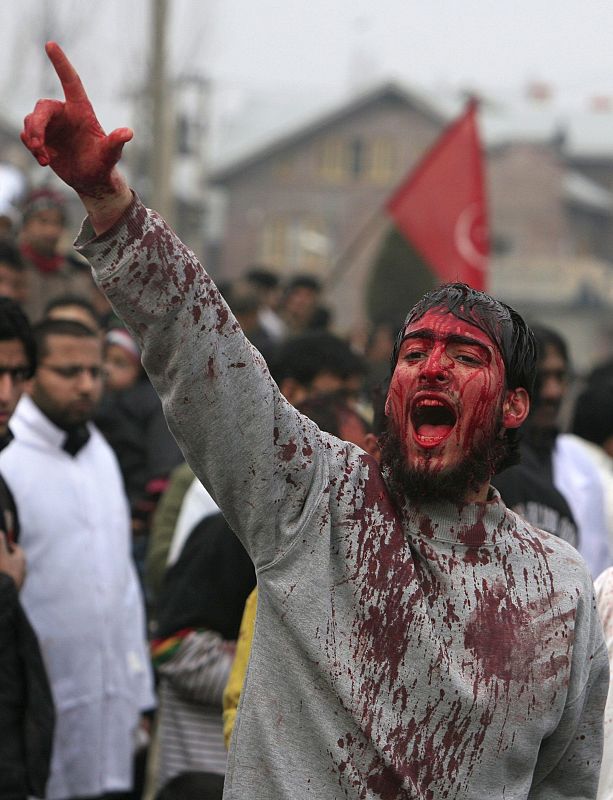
x: 60, y: 423
x: 482, y: 495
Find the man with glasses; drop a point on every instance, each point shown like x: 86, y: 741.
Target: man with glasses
x: 82, y: 594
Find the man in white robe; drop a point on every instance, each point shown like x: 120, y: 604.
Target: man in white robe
x: 82, y: 594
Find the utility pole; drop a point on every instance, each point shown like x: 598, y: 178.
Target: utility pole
x: 162, y: 148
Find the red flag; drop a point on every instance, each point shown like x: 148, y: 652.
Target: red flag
x: 441, y: 206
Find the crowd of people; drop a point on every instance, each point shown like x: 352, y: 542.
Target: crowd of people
x: 306, y: 570
x: 87, y: 432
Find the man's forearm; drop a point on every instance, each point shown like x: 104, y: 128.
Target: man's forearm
x: 241, y: 438
x: 105, y: 210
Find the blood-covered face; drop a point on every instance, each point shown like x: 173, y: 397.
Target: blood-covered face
x: 447, y: 393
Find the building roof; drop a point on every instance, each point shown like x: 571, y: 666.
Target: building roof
x: 589, y: 136
x: 513, y: 118
x: 582, y: 191
x: 327, y: 120
x: 581, y: 135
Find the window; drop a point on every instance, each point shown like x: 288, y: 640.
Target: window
x: 357, y: 157
x: 334, y: 160
x: 295, y: 244
x: 311, y: 245
x: 382, y: 167
x: 273, y: 242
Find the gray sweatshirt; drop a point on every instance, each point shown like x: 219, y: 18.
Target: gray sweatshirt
x: 436, y: 653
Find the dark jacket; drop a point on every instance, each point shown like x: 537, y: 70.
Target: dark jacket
x: 208, y: 586
x: 528, y: 489
x: 133, y: 423
x: 27, y: 714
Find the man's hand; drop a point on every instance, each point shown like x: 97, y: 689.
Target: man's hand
x: 68, y: 137
x: 12, y: 561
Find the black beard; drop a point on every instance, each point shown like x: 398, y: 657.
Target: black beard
x: 422, y: 486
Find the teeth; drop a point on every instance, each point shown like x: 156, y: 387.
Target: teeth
x: 430, y: 402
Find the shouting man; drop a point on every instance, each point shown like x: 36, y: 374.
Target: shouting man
x: 414, y: 638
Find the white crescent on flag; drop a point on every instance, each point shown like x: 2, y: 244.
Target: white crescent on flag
x: 469, y: 236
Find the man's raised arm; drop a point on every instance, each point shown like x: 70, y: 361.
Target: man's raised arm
x: 252, y: 450
x: 67, y: 137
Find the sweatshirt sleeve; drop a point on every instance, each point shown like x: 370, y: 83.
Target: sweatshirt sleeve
x: 569, y: 759
x: 254, y: 453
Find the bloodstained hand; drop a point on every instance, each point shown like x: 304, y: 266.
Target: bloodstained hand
x: 68, y: 137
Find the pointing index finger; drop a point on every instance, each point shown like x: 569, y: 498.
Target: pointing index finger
x: 69, y: 78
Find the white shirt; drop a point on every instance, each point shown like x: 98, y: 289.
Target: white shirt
x: 578, y: 478
x: 83, y: 599
x: 604, y: 464
x: 196, y: 505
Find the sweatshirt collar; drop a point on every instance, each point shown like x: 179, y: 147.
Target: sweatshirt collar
x: 470, y: 524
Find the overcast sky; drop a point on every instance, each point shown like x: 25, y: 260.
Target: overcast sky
x: 299, y: 54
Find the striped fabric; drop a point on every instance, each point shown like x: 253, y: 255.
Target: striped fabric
x: 190, y: 725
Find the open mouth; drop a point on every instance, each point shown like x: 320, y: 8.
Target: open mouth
x: 433, y: 420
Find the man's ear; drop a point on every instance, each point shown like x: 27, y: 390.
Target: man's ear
x: 515, y: 408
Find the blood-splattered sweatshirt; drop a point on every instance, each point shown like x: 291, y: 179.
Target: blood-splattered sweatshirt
x: 439, y: 652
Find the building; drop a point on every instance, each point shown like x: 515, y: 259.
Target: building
x: 552, y: 229
x: 312, y: 197
x: 310, y: 201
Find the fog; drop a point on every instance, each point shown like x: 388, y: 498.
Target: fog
x: 270, y: 64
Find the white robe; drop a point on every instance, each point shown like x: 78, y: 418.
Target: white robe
x: 604, y: 466
x: 579, y: 479
x: 83, y: 599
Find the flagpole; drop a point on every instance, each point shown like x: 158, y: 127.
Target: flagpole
x: 446, y: 227
x: 374, y: 224
x: 379, y: 217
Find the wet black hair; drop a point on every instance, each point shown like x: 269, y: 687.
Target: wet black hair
x: 504, y: 326
x: 15, y: 325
